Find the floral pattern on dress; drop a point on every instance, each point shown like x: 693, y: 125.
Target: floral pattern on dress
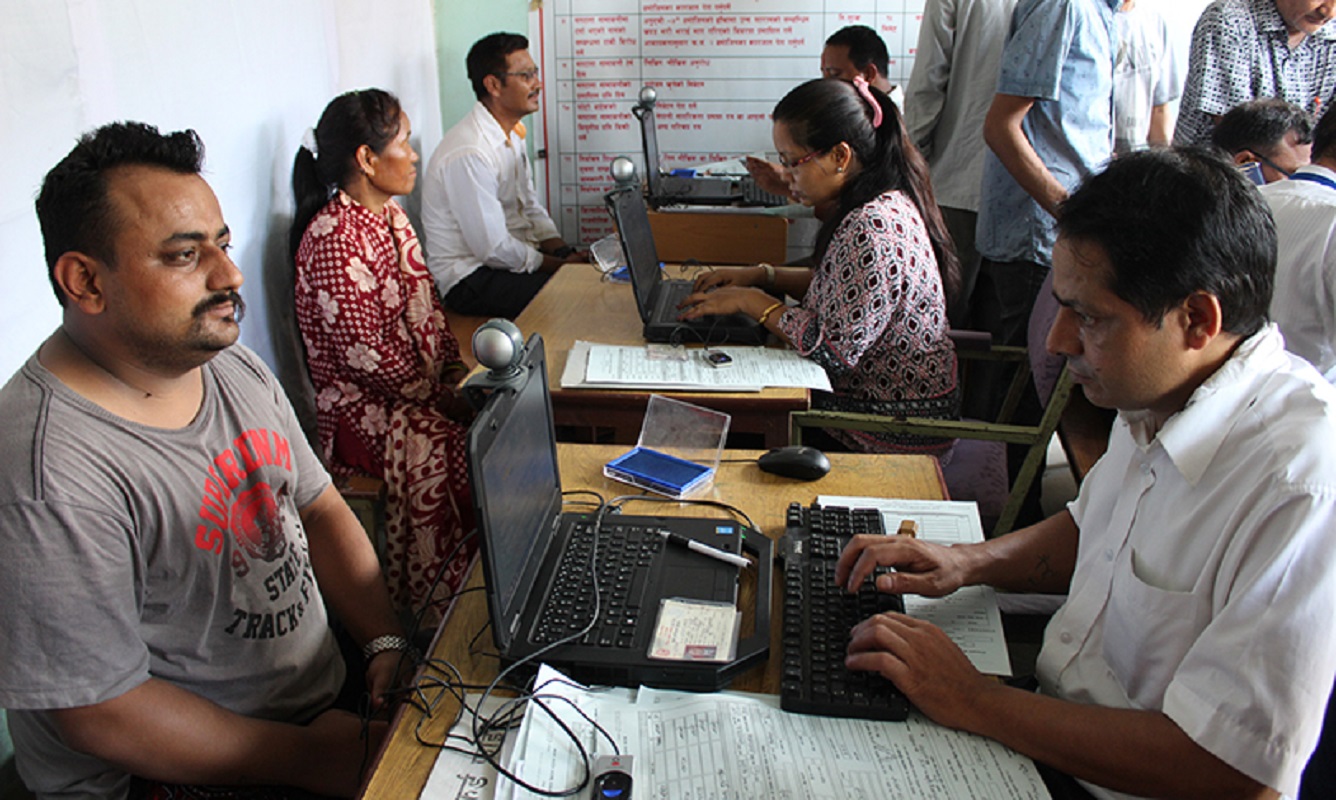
x: 377, y: 346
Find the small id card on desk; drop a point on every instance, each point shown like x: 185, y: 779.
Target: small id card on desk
x: 695, y: 630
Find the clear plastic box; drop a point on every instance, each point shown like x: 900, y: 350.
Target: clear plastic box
x: 678, y: 452
x: 607, y: 254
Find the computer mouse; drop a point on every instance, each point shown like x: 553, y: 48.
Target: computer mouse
x: 795, y: 461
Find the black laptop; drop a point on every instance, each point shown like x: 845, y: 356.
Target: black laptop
x: 657, y: 297
x: 541, y: 588
x: 665, y: 189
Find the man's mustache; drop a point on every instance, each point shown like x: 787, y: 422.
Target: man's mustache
x: 222, y: 299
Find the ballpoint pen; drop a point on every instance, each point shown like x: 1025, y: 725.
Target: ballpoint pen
x: 704, y: 549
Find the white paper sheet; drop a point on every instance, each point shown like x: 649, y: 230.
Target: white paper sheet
x: 459, y: 776
x: 969, y: 616
x: 729, y: 744
x: 621, y: 367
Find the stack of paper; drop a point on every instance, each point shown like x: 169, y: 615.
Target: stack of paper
x: 729, y: 744
x: 600, y: 366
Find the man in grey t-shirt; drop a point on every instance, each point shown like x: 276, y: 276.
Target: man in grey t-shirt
x: 165, y: 531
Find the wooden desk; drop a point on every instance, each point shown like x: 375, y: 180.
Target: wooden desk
x: 577, y: 304
x: 403, y: 765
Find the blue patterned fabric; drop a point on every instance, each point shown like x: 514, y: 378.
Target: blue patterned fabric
x: 1061, y: 53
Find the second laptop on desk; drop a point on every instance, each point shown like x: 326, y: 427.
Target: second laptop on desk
x: 657, y: 298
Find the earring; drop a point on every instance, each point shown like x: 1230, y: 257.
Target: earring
x: 839, y: 169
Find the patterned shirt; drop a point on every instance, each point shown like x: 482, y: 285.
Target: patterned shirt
x: 874, y: 317
x: 1061, y: 53
x: 374, y: 338
x: 1240, y: 51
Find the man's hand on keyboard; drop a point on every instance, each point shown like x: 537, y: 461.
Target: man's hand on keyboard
x: 922, y: 567
x: 923, y: 662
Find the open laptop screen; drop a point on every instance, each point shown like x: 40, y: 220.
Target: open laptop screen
x: 649, y: 137
x: 516, y: 486
x: 642, y: 258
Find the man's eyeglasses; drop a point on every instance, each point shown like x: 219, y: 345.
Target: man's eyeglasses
x: 1273, y: 165
x: 798, y: 162
x: 528, y: 75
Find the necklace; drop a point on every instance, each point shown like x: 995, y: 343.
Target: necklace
x: 102, y: 368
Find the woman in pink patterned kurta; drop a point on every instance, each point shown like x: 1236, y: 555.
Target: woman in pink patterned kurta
x: 381, y: 357
x: 873, y: 312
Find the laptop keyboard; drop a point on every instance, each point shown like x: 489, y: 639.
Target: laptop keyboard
x: 753, y: 195
x: 625, y: 555
x: 818, y: 616
x: 670, y: 296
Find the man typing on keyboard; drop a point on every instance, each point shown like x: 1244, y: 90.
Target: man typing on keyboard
x: 1195, y: 652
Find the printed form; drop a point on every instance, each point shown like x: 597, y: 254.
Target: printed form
x: 621, y: 367
x: 970, y: 615
x: 690, y: 746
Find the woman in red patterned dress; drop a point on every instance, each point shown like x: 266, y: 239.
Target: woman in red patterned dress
x: 382, y: 360
x: 873, y: 312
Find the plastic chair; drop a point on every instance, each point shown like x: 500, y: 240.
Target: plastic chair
x: 981, y: 448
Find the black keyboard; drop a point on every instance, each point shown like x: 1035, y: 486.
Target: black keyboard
x: 753, y: 195
x: 625, y: 553
x: 818, y: 616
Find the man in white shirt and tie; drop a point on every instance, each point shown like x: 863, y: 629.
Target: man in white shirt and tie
x: 490, y: 243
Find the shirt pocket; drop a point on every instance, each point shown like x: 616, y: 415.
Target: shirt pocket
x: 1147, y: 632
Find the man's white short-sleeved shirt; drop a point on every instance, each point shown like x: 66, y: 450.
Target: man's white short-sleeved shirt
x: 1205, y: 582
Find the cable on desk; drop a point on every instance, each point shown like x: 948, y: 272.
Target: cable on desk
x: 616, y: 504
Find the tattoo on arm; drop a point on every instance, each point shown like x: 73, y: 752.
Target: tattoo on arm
x: 1043, y: 573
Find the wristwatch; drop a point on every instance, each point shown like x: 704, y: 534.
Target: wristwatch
x: 389, y: 641
x: 563, y: 251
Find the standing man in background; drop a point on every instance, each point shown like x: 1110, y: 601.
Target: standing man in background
x: 1249, y: 49
x: 1145, y: 80
x: 857, y: 50
x: 490, y: 243
x: 1050, y: 126
x: 850, y: 52
x: 950, y: 90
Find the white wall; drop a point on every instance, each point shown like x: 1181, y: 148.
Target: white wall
x: 249, y: 75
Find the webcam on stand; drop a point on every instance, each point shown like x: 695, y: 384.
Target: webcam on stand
x: 499, y: 346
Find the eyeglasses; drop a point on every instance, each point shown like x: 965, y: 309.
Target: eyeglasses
x: 1273, y: 165
x: 528, y: 75
x: 798, y: 162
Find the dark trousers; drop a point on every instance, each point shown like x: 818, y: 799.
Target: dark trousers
x: 960, y: 223
x: 1003, y: 299
x: 490, y: 292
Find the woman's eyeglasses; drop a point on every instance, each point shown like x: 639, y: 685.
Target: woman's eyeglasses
x: 798, y: 162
